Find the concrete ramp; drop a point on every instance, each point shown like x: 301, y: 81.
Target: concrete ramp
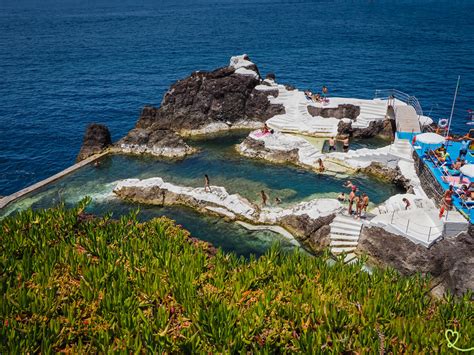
x: 406, y: 119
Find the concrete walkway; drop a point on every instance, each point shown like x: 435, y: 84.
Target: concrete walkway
x: 407, y: 119
x: 9, y: 199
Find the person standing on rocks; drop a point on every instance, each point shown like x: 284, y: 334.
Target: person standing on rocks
x: 332, y: 144
x: 325, y: 91
x: 321, y: 165
x: 345, y: 144
x: 365, y: 202
x: 264, y: 198
x: 352, y: 196
x: 206, y: 183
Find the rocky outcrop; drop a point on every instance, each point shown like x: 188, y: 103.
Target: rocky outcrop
x: 256, y: 149
x: 376, y: 128
x: 161, y: 142
x: 226, y: 95
x: 450, y: 261
x: 96, y: 139
x: 307, y: 221
x: 226, y: 98
x: 341, y: 111
x: 312, y: 233
x: 388, y: 174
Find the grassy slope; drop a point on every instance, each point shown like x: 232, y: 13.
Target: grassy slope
x: 99, y: 285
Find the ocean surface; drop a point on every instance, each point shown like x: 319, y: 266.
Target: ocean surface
x: 64, y: 64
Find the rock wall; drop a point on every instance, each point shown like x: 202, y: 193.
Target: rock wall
x: 158, y: 142
x: 390, y: 175
x: 313, y: 234
x: 428, y: 182
x: 383, y: 128
x: 96, y: 139
x: 256, y: 149
x: 341, y: 111
x: 450, y: 261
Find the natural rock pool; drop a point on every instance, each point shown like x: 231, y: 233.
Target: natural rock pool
x: 225, y: 167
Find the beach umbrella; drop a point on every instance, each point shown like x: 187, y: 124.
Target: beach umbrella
x: 468, y: 170
x: 430, y: 138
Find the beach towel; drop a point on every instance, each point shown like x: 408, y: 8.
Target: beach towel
x: 260, y: 134
x: 455, y: 180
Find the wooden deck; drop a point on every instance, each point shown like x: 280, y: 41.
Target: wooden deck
x: 407, y: 119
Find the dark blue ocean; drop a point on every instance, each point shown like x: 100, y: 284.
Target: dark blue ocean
x: 64, y: 64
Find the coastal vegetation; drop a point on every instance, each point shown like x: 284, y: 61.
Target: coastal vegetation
x: 78, y: 283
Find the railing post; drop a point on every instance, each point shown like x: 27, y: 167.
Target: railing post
x: 429, y: 235
x: 408, y: 223
x: 393, y: 214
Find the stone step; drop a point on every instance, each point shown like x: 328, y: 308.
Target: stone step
x: 338, y: 243
x: 346, y: 231
x: 346, y: 225
x: 340, y: 250
x: 345, y: 219
x: 350, y: 258
x: 346, y: 237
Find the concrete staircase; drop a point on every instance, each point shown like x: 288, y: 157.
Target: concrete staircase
x: 297, y: 118
x: 345, y: 232
x: 370, y: 111
x: 401, y: 148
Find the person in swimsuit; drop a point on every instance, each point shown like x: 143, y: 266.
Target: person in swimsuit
x: 463, y: 150
x: 321, y: 165
x: 332, y: 144
x: 365, y: 202
x: 206, y: 183
x: 448, y: 197
x: 406, y: 202
x: 342, y: 197
x: 345, y: 144
x: 358, y: 203
x: 352, y: 196
x: 264, y: 198
x: 325, y: 91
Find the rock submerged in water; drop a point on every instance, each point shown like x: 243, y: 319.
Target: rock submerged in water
x: 96, y: 139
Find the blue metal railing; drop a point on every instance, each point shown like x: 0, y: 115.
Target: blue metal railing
x: 388, y: 94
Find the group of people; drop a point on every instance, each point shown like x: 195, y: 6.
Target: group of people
x: 319, y: 97
x: 358, y: 201
x: 345, y: 144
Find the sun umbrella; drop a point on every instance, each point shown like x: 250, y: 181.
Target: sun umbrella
x: 468, y: 170
x: 430, y: 138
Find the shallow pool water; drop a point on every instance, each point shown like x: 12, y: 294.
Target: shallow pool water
x: 218, y: 158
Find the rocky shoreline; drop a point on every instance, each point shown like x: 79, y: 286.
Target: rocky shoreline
x: 306, y: 221
x: 236, y: 97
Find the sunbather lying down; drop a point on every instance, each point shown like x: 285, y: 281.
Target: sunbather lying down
x: 456, y: 180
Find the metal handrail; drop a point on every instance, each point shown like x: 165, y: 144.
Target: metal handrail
x: 400, y: 95
x: 409, y: 221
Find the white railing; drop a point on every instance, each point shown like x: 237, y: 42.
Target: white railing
x: 388, y: 94
x: 409, y: 227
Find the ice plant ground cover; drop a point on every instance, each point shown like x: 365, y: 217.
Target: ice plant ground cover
x: 71, y: 282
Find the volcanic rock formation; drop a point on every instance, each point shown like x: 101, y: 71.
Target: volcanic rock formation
x: 96, y: 139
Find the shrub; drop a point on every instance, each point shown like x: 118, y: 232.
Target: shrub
x: 77, y: 284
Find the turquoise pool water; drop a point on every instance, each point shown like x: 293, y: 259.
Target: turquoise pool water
x: 217, y: 158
